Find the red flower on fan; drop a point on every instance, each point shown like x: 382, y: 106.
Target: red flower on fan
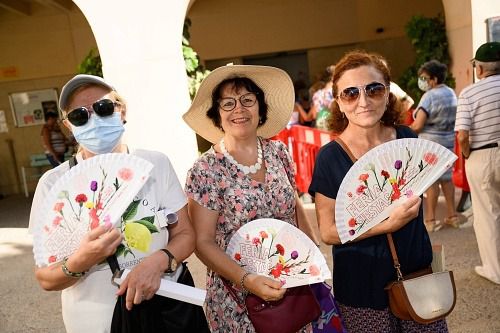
x: 385, y: 174
x: 237, y: 256
x: 280, y: 249
x: 430, y: 158
x: 276, y: 272
x: 364, y: 177
x: 361, y: 189
x: 52, y: 259
x: 352, y: 222
x: 81, y: 198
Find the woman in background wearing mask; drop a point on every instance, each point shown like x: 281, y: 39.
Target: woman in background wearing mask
x: 95, y: 114
x: 435, y: 121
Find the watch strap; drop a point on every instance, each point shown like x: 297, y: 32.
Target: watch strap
x: 170, y: 259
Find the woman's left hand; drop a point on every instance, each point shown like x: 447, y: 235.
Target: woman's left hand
x: 143, y: 281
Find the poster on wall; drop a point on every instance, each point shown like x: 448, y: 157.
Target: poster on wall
x: 3, y: 122
x: 30, y: 107
x: 493, y: 24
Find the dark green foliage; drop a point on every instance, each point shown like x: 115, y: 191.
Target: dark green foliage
x: 429, y: 40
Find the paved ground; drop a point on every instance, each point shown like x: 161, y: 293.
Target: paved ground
x: 26, y: 308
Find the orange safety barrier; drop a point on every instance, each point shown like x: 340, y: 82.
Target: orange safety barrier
x: 304, y: 144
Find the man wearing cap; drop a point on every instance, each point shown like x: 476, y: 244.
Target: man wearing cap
x: 478, y: 127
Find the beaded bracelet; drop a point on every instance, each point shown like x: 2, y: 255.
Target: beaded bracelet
x: 242, y: 281
x: 69, y: 273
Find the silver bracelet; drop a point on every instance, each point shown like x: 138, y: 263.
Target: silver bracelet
x: 242, y: 281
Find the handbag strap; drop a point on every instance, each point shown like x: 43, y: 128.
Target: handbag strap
x: 395, y: 259
x: 346, y: 149
x: 233, y: 293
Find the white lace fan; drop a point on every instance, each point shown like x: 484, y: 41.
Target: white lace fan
x: 96, y: 191
x: 279, y: 250
x: 384, y: 178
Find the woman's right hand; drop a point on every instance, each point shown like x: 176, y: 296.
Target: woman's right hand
x: 264, y: 287
x: 95, y: 246
x: 402, y: 214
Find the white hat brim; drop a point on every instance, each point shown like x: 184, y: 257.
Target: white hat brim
x: 274, y: 82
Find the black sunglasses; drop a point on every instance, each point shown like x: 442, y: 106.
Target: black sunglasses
x: 375, y: 90
x: 103, y: 108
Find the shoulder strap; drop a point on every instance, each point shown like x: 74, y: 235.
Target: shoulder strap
x: 72, y: 161
x: 346, y: 149
x: 395, y: 259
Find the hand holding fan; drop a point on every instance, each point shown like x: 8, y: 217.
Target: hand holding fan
x: 278, y: 250
x: 96, y: 191
x: 383, y: 179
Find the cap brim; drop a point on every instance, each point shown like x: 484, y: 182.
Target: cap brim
x: 274, y: 82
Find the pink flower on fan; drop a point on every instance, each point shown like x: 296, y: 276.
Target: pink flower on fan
x: 58, y: 206
x: 94, y: 220
x: 52, y: 259
x: 263, y: 234
x: 314, y: 270
x: 364, y: 177
x: 430, y: 158
x: 57, y: 220
x: 125, y: 174
x: 361, y: 189
x: 256, y: 241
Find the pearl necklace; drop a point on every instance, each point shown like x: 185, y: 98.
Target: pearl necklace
x: 246, y: 169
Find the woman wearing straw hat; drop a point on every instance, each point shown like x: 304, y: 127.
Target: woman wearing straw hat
x: 244, y: 176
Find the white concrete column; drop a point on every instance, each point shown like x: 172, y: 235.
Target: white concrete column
x: 141, y: 53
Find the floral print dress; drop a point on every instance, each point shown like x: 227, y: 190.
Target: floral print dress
x: 217, y: 184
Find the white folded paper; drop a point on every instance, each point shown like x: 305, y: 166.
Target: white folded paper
x: 174, y: 290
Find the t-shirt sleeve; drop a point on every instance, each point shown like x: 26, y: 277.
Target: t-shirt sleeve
x: 425, y: 104
x: 175, y: 198
x: 201, y: 185
x: 464, y: 110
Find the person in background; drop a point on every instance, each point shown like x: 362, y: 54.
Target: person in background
x: 243, y: 177
x: 434, y: 120
x: 321, y: 100
x: 478, y: 127
x: 53, y: 139
x: 95, y: 114
x: 366, y: 114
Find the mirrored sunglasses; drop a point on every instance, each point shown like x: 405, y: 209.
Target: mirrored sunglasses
x: 374, y: 90
x: 103, y: 108
x: 229, y: 103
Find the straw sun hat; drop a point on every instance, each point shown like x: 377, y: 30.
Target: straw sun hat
x: 274, y: 82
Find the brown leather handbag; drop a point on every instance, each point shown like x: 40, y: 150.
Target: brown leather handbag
x: 423, y: 296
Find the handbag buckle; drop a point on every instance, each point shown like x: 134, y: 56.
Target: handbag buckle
x: 116, y: 275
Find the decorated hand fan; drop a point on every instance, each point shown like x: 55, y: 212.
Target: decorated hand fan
x: 279, y: 250
x: 96, y: 191
x: 384, y: 178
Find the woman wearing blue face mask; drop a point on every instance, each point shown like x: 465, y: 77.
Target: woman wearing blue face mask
x: 95, y: 114
x: 435, y: 121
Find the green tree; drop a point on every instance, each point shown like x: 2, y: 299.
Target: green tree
x: 429, y: 40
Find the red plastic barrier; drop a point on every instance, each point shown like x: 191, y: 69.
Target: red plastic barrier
x: 458, y: 175
x: 304, y: 145
x: 282, y: 136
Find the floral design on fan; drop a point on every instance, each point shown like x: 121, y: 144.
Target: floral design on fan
x: 80, y: 205
x: 262, y: 250
x: 374, y: 183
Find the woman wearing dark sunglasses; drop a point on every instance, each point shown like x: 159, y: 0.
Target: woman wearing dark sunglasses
x: 366, y: 114
x: 95, y: 114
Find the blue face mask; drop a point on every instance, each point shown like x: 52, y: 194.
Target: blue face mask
x: 100, y: 135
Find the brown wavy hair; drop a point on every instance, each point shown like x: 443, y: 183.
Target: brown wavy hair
x: 392, y: 116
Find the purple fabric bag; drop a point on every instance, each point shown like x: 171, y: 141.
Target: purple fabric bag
x: 330, y: 320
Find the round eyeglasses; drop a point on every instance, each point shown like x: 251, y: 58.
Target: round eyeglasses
x: 229, y: 103
x: 103, y: 108
x: 374, y: 90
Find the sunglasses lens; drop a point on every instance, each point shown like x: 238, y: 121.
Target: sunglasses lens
x: 349, y: 94
x: 375, y: 90
x: 78, y: 117
x: 104, y: 107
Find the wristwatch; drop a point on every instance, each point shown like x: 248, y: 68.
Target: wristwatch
x: 172, y: 262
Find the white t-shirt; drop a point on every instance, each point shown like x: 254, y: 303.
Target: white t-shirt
x: 88, y: 305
